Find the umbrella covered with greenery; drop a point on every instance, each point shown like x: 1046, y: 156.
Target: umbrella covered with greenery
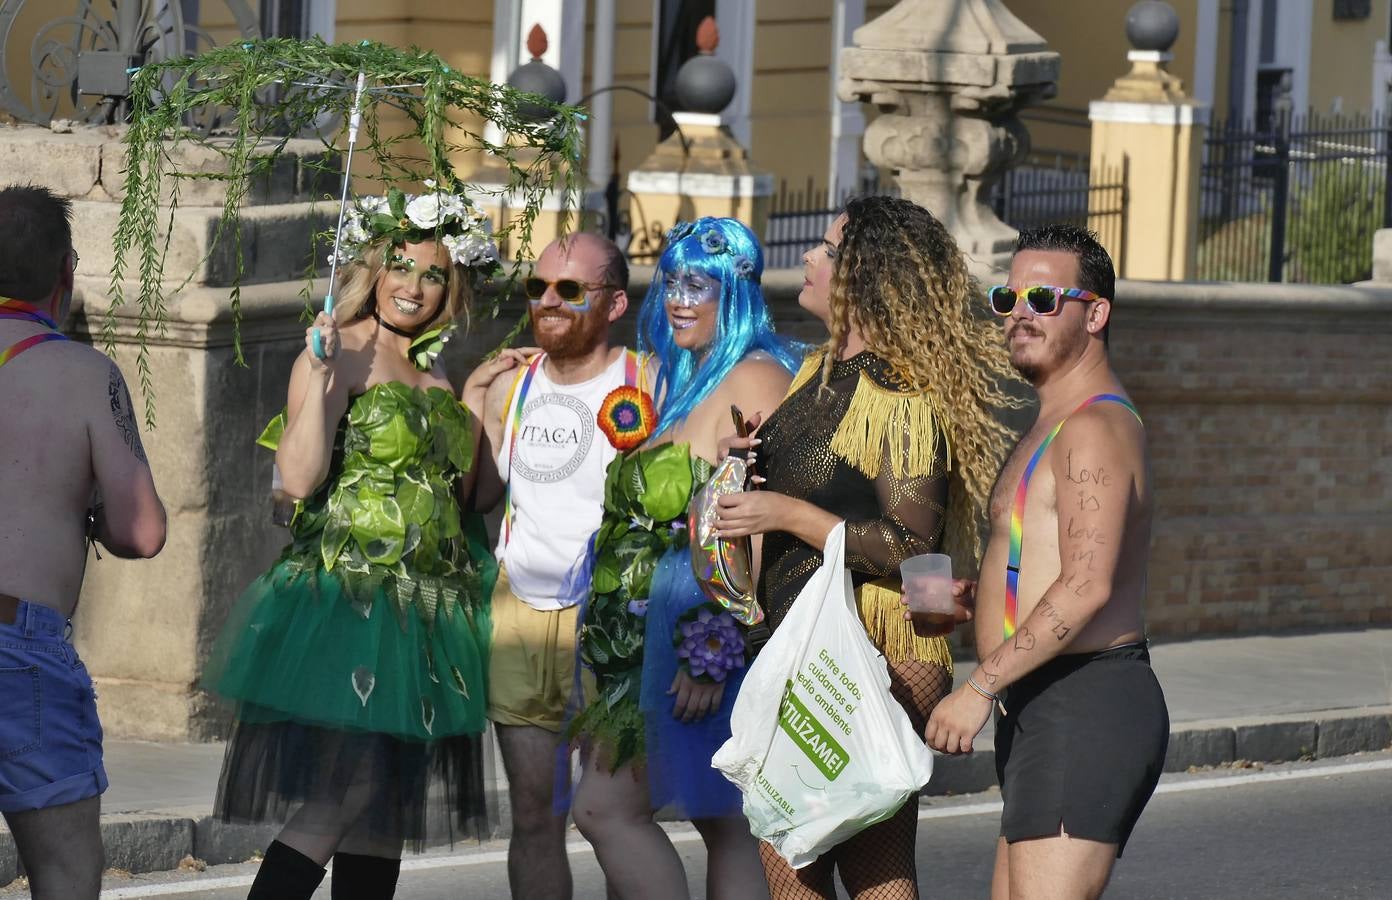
x: 246, y: 101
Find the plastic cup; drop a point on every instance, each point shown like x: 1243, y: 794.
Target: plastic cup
x: 928, y: 590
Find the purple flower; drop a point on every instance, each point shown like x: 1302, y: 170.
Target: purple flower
x: 711, y: 645
x: 638, y: 608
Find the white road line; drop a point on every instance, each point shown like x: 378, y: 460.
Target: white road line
x: 580, y: 848
x: 1202, y: 784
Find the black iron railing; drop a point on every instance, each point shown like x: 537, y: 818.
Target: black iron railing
x: 1297, y: 200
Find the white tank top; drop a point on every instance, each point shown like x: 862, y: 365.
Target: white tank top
x: 554, y: 470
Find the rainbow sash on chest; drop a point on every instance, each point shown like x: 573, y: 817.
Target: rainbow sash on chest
x: 1017, y: 512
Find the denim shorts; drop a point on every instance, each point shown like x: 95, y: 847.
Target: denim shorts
x: 50, y: 739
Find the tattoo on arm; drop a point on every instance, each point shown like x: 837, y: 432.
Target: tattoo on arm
x: 991, y: 668
x: 123, y: 412
x: 1051, y: 612
x: 1024, y: 639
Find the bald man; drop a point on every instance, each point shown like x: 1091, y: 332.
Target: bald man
x: 544, y: 456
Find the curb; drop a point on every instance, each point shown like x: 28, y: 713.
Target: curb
x: 158, y: 841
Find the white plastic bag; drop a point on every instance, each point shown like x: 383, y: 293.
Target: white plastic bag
x: 818, y: 745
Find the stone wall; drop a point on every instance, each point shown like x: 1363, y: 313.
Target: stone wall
x: 1267, y: 406
x: 1269, y: 409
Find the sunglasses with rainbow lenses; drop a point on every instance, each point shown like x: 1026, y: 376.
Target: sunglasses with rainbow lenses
x: 568, y: 289
x: 1042, y: 299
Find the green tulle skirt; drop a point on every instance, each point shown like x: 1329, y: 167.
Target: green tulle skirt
x: 335, y: 693
x: 297, y: 647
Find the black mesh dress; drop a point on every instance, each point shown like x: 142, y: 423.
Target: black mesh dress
x: 864, y: 448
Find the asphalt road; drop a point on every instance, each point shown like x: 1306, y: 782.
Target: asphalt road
x: 1289, y: 832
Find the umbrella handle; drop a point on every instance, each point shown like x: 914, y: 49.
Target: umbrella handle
x: 315, y: 340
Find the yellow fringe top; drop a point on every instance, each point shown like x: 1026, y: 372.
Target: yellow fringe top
x: 876, y: 413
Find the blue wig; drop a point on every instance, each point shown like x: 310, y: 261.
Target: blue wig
x: 726, y: 251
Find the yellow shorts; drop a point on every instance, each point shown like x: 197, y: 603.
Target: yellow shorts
x: 531, y: 669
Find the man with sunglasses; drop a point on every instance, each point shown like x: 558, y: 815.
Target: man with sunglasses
x: 545, y: 458
x: 1082, y: 726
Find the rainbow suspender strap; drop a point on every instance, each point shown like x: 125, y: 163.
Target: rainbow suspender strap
x: 1017, y: 512
x: 517, y: 401
x: 18, y: 309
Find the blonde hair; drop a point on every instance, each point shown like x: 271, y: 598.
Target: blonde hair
x: 357, y: 287
x: 900, y: 280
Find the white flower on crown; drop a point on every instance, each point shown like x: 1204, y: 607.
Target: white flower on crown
x: 464, y: 230
x: 354, y: 229
x: 425, y: 211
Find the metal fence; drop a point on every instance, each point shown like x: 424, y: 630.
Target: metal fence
x: 1296, y: 200
x: 798, y: 218
x: 1045, y: 189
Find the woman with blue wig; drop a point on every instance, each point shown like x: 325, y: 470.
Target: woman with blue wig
x: 668, y: 661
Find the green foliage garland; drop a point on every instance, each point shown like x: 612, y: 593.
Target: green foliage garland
x: 274, y: 91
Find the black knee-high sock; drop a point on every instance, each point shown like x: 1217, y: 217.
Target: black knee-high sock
x: 358, y: 877
x: 286, y: 874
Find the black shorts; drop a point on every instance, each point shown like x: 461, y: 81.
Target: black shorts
x: 1082, y: 746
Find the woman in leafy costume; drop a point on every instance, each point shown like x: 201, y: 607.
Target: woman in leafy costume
x: 357, y: 661
x: 667, y: 662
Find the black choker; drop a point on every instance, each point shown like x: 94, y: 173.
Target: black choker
x: 392, y: 328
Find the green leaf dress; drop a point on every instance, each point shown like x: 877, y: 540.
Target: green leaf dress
x: 360, y: 656
x: 646, y: 494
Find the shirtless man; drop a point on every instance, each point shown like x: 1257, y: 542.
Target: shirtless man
x: 70, y: 435
x: 1081, y: 740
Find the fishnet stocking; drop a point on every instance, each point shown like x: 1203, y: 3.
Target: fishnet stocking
x: 878, y: 863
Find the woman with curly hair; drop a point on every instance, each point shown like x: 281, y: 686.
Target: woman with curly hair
x: 890, y: 427
x: 667, y: 660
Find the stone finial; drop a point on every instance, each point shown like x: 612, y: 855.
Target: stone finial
x: 536, y: 77
x: 705, y: 84
x: 536, y: 41
x: 949, y: 77
x: 1152, y: 25
x: 707, y: 36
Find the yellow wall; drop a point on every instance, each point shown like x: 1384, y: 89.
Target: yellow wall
x: 790, y: 108
x: 633, y: 125
x: 461, y: 34
x: 1341, y: 58
x: 790, y: 99
x: 1090, y: 36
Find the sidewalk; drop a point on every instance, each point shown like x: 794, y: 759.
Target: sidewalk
x: 1260, y: 699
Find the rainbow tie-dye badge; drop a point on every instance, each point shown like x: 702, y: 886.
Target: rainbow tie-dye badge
x: 627, y: 417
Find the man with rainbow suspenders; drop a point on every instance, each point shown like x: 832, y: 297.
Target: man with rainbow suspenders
x: 69, y: 438
x: 1082, y: 726
x: 544, y: 457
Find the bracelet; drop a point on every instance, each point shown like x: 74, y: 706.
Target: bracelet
x: 982, y: 691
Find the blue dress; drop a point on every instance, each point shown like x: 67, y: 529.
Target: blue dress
x: 680, y: 775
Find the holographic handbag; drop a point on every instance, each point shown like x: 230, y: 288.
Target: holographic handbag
x: 723, y: 568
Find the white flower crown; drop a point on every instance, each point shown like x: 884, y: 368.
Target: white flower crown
x: 461, y: 227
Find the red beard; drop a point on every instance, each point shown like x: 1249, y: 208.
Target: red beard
x: 584, y: 334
